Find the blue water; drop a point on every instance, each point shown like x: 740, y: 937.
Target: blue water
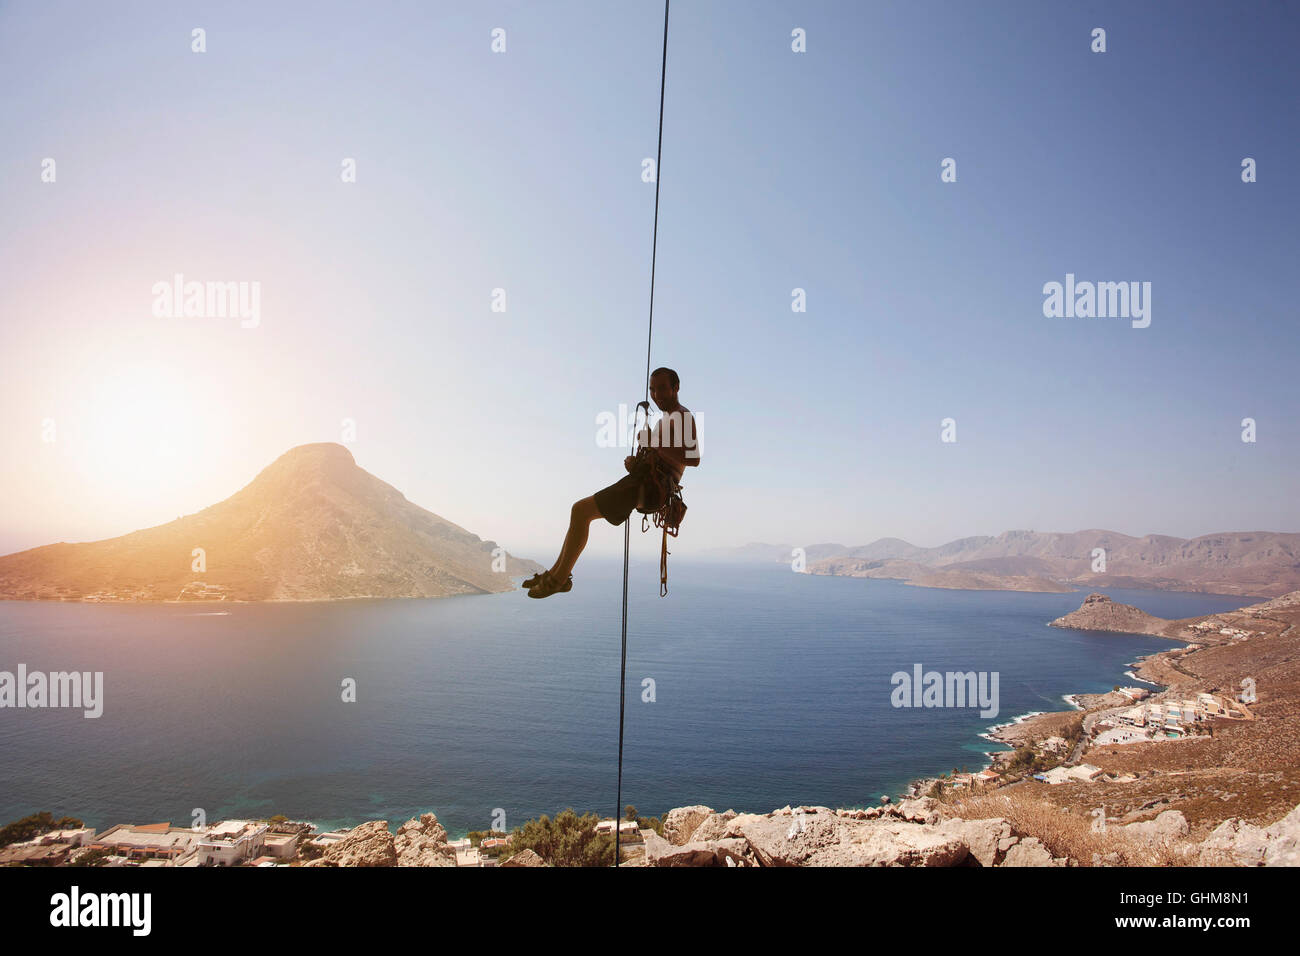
x: 771, y: 688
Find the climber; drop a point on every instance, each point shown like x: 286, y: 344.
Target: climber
x: 669, y: 449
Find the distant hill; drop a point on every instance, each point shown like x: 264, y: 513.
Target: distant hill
x: 978, y: 581
x: 311, y: 526
x: 1262, y: 563
x: 770, y: 553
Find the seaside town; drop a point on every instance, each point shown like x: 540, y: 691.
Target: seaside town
x: 1126, y: 715
x: 1150, y: 721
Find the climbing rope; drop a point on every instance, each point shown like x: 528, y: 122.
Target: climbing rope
x: 627, y: 525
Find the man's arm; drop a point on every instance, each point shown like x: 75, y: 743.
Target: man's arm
x: 692, y: 450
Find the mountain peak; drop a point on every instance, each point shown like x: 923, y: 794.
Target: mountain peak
x: 317, y: 451
x: 322, y: 455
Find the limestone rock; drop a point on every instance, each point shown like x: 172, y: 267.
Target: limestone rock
x: 1166, y: 826
x: 680, y: 823
x: 525, y: 858
x: 897, y: 844
x: 823, y: 838
x: 908, y: 834
x: 369, y: 844
x: 659, y: 852
x: 1029, y: 852
x: 987, y: 840
x: 1242, y: 844
x: 423, y: 842
x: 732, y: 851
x: 715, y: 826
x: 779, y: 840
x: 919, y: 810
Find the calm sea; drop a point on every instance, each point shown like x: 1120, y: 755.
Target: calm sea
x: 770, y: 688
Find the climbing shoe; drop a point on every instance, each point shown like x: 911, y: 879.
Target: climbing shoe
x: 548, y: 586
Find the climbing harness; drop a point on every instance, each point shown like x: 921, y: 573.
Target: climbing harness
x: 669, y: 509
x: 627, y: 525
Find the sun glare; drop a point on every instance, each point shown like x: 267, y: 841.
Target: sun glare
x: 136, y: 433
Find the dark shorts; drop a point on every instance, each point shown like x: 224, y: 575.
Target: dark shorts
x: 619, y: 500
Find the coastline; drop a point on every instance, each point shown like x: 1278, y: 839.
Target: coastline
x: 1026, y: 728
x: 1032, y: 726
x: 1036, y: 724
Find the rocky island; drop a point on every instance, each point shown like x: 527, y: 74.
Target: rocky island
x: 312, y: 526
x: 1100, y: 613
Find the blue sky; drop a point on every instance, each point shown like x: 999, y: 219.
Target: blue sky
x: 521, y: 171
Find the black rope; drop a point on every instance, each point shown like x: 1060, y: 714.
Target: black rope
x: 627, y: 525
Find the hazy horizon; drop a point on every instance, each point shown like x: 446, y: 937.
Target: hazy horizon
x: 755, y: 542
x: 521, y: 171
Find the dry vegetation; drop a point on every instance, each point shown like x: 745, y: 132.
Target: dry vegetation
x: 1069, y: 831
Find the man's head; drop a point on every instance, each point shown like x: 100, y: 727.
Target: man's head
x: 663, y: 388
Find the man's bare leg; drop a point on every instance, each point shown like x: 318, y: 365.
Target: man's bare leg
x: 581, y: 516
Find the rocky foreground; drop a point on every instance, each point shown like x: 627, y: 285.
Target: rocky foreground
x: 421, y: 842
x: 912, y: 833
x: 919, y: 833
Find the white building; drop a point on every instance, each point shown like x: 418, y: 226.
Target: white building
x: 232, y: 841
x: 76, y: 837
x: 326, y: 840
x: 1210, y: 705
x: 1084, y: 772
x: 1136, y: 716
x: 468, y: 855
x: 280, y: 845
x: 136, y: 843
x: 624, y: 827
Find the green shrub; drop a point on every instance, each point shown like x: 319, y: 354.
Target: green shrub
x: 29, y: 828
x: 567, y: 840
